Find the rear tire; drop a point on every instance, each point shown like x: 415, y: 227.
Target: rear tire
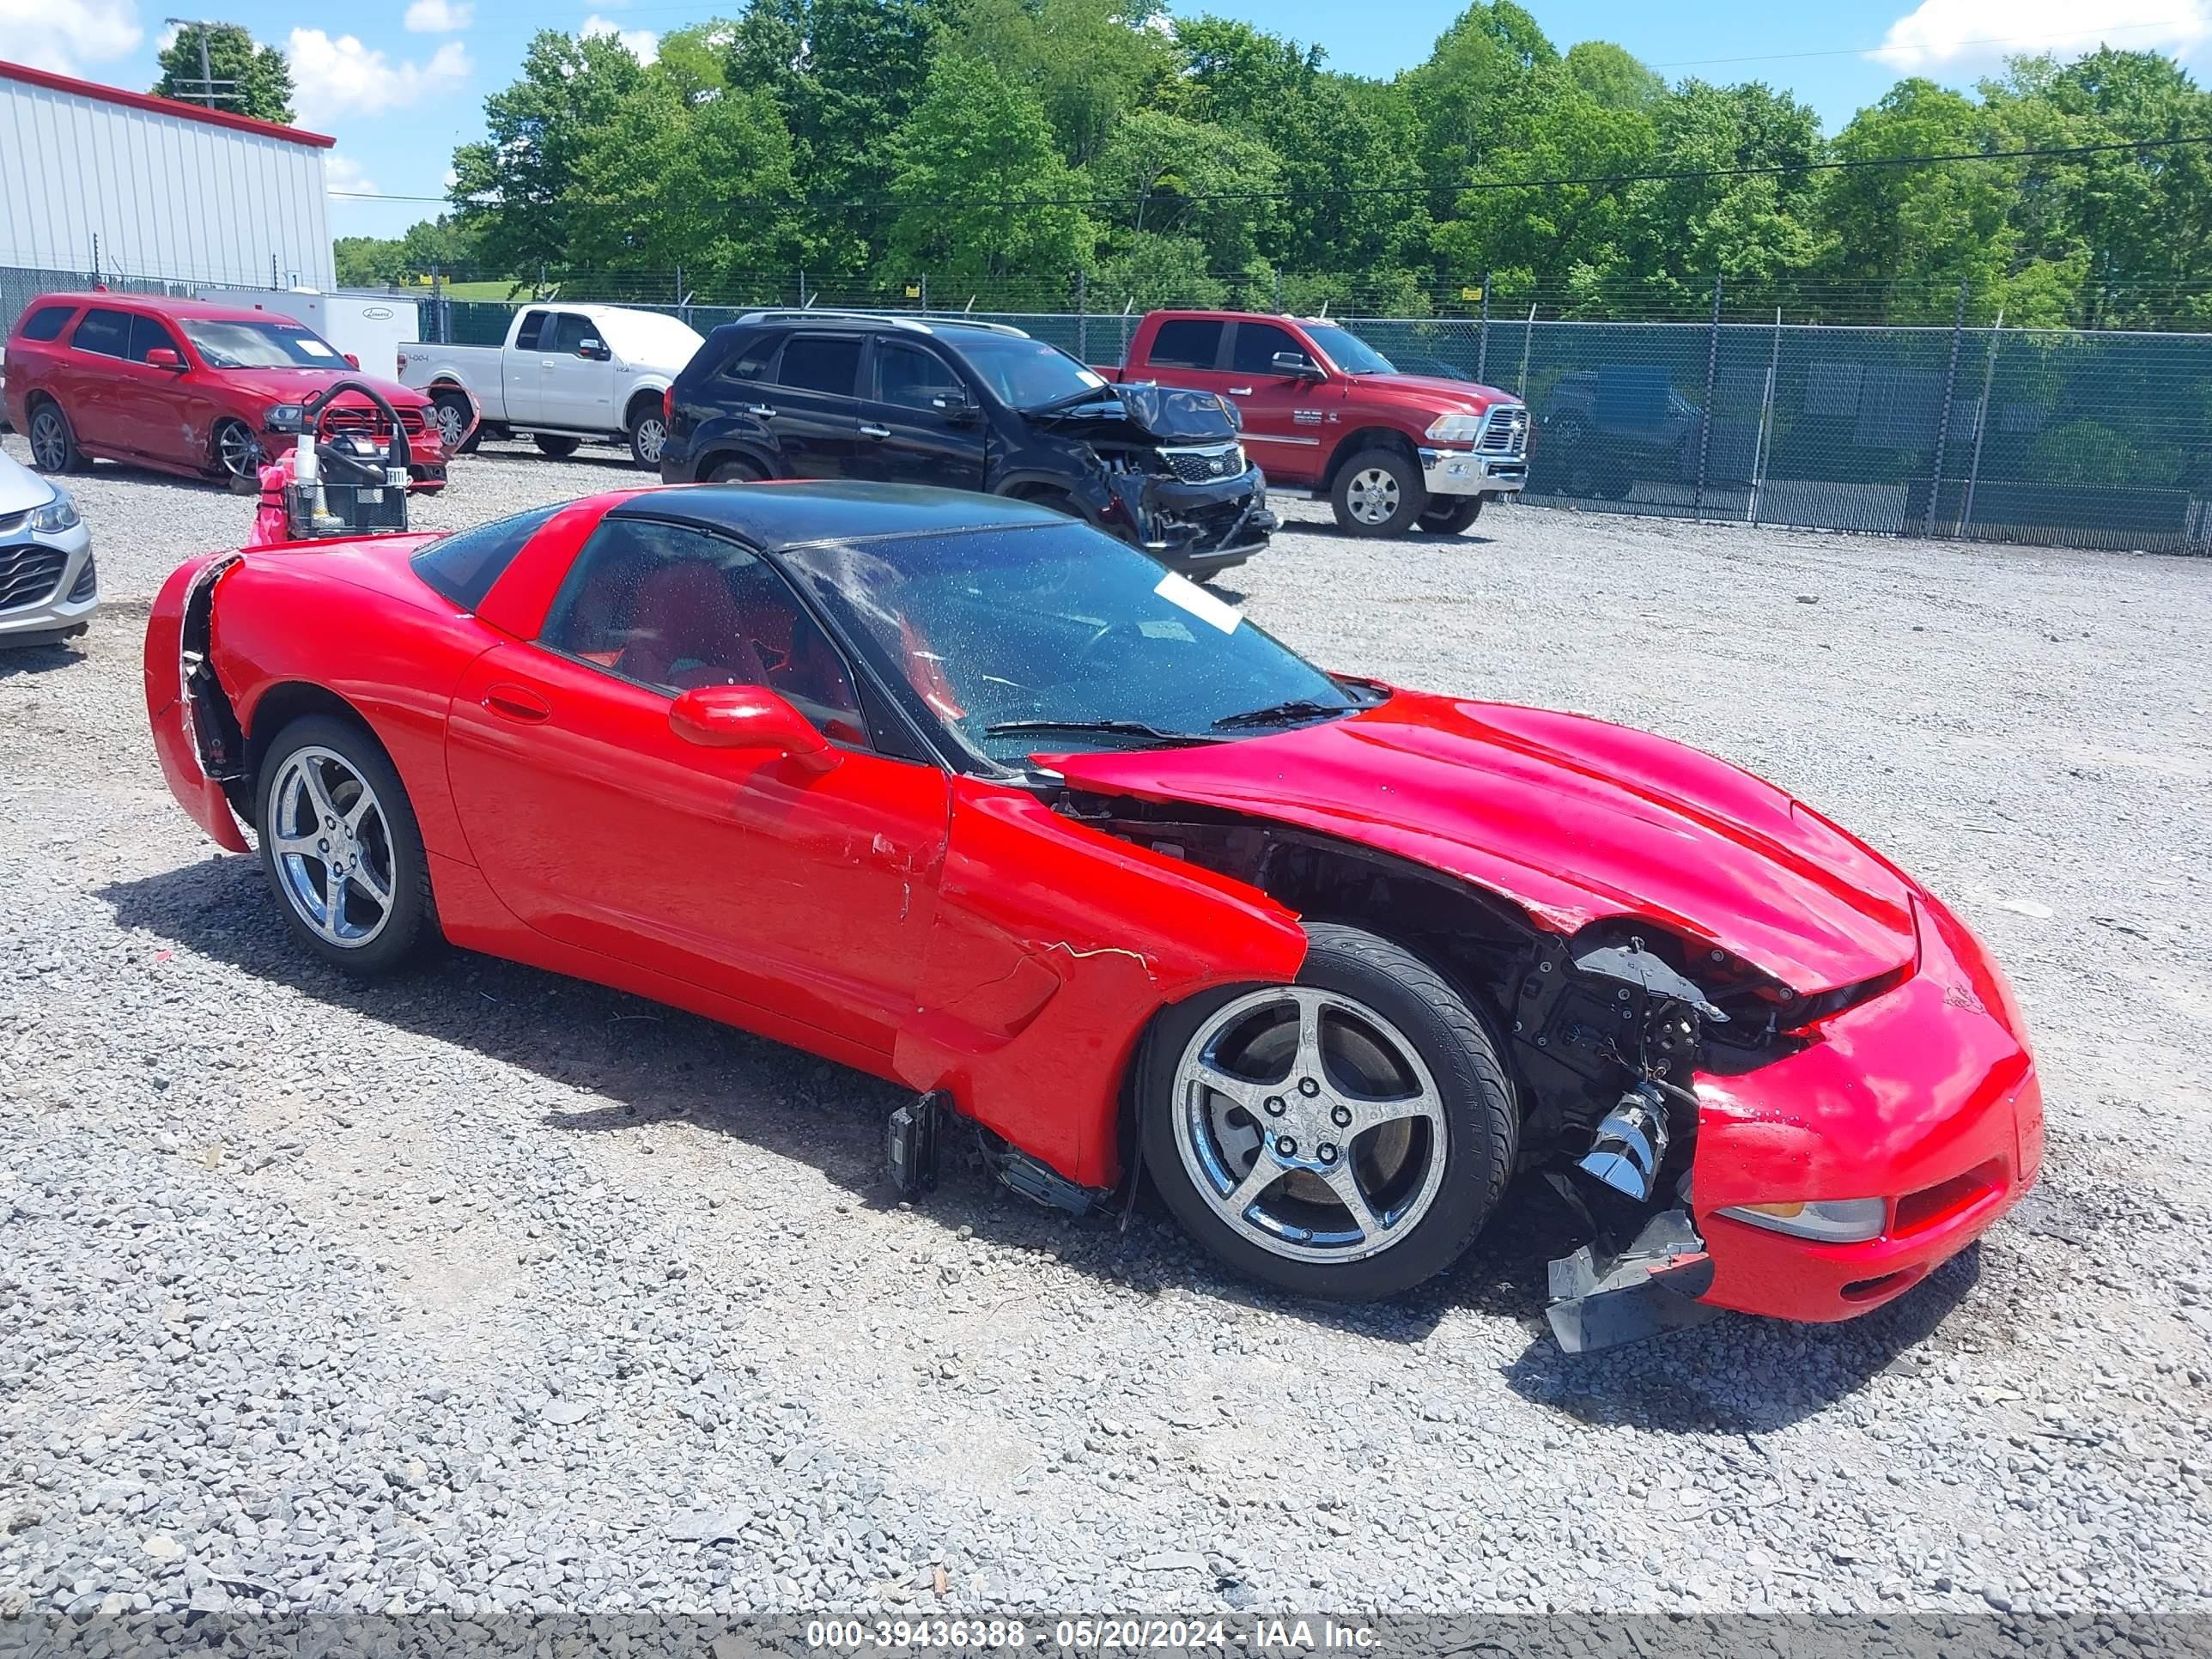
x: 558, y: 448
x: 53, y: 440
x: 335, y: 824
x: 1452, y: 514
x: 734, y: 472
x: 455, y: 415
x: 1378, y: 492
x: 1410, y: 1107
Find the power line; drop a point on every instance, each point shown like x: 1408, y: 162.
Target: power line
x: 1462, y: 187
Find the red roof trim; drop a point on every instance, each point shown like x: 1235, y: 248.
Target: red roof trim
x: 145, y: 100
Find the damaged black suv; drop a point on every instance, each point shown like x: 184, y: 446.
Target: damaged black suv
x: 968, y: 405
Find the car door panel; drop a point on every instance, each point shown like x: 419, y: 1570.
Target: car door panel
x: 1285, y: 419
x: 522, y: 368
x: 164, y: 416
x: 814, y: 407
x: 904, y: 436
x: 575, y: 391
x: 94, y: 392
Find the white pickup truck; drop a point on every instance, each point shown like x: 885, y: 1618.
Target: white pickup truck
x: 566, y: 373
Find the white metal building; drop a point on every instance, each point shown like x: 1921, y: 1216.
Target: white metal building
x: 93, y: 180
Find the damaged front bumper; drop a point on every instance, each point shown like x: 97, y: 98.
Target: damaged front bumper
x: 1197, y: 529
x: 1924, y: 1097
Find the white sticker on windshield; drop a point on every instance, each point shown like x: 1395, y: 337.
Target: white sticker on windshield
x: 312, y: 346
x: 1187, y: 595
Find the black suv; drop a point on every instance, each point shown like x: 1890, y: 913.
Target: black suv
x: 968, y: 405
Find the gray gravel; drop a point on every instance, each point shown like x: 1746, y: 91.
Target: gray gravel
x: 487, y: 1289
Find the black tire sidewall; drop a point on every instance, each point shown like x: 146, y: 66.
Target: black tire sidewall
x: 733, y: 472
x: 557, y: 448
x: 457, y: 400
x: 413, y: 926
x: 1412, y: 494
x: 651, y: 412
x: 1450, y: 515
x: 1481, y: 1125
x: 260, y: 450
x: 72, y: 453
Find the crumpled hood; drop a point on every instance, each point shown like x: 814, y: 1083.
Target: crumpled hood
x: 292, y: 386
x: 1171, y: 414
x: 1572, y: 818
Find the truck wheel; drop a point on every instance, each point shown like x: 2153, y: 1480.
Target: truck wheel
x: 1346, y: 1136
x: 558, y: 448
x: 1378, y: 492
x: 648, y: 436
x: 53, y: 440
x: 1452, y: 514
x: 453, y: 414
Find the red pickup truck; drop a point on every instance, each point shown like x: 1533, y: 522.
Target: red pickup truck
x: 1325, y: 411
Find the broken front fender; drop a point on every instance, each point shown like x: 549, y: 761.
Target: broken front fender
x: 1051, y: 947
x: 190, y: 738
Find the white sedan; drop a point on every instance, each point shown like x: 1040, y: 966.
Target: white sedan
x: 48, y: 586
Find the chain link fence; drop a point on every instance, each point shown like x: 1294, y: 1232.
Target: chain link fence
x: 2055, y: 437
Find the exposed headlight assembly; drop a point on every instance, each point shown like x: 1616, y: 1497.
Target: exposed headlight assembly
x: 1455, y: 429
x: 57, y: 515
x: 1831, y: 1221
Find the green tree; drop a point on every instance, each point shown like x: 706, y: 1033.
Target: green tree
x: 1151, y: 270
x: 261, y: 81
x: 1090, y: 63
x: 979, y: 186
x: 1613, y: 77
x: 513, y: 191
x: 1191, y: 178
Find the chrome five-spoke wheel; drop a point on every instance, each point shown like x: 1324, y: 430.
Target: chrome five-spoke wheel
x: 331, y: 845
x: 1310, y: 1123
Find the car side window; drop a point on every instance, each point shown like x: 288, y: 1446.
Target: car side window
x: 150, y: 334
x: 675, y: 608
x: 570, y: 330
x: 820, y: 362
x: 533, y: 324
x: 45, y: 323
x: 103, y: 331
x: 912, y: 378
x: 1188, y: 343
x: 1257, y: 344
x: 751, y: 362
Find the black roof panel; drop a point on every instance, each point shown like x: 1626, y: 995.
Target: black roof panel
x: 773, y: 515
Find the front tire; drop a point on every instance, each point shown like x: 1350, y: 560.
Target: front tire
x: 1378, y: 492
x: 1345, y: 1137
x: 341, y: 849
x: 238, y: 453
x: 648, y: 436
x: 558, y: 448
x: 1452, y: 514
x: 456, y: 416
x: 53, y: 440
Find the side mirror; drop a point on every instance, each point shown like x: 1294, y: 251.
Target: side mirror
x: 597, y: 351
x: 954, y: 405
x: 165, y: 357
x: 352, y: 362
x: 750, y: 717
x: 1296, y: 365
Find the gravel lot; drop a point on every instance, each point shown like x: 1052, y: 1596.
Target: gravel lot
x: 488, y: 1289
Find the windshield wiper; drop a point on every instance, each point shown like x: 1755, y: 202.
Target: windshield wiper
x: 1279, y: 714
x: 1117, y: 728
x: 1091, y: 394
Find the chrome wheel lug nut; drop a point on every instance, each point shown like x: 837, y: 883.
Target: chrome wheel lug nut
x: 1341, y: 1117
x: 1325, y: 1152
x: 1309, y: 1087
x: 1274, y: 1105
x: 1287, y: 1148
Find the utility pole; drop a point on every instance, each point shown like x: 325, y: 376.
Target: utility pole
x: 205, y: 92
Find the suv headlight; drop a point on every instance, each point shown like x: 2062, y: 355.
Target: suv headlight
x: 57, y: 514
x: 1831, y: 1221
x: 1456, y: 429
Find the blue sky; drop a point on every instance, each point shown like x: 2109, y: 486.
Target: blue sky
x: 399, y: 88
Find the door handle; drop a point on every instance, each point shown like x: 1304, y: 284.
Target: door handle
x: 869, y: 429
x: 760, y: 410
x: 516, y: 702
x: 1240, y: 391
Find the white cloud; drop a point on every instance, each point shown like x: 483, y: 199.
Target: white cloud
x: 342, y: 174
x: 1952, y: 34
x: 67, y: 35
x: 341, y: 76
x: 439, y: 16
x: 644, y: 45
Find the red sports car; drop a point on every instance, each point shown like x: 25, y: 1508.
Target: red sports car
x: 972, y: 797
x: 184, y: 385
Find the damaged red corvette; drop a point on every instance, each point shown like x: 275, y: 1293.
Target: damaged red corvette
x: 976, y: 798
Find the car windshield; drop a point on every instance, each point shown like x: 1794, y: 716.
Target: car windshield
x: 1348, y: 351
x: 1024, y: 374
x: 258, y: 345
x: 1059, y: 638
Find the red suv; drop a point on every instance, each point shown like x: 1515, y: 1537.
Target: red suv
x: 182, y: 386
